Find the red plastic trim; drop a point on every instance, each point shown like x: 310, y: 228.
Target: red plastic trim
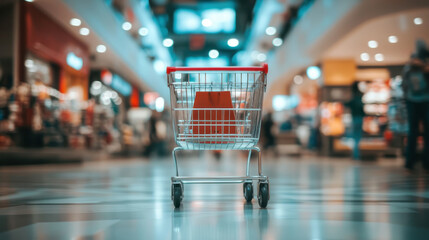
x: 263, y: 68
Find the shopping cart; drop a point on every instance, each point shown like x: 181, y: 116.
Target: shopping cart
x: 218, y: 108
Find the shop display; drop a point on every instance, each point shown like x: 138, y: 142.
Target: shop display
x: 331, y: 122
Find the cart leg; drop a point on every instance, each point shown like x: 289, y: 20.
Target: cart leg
x: 259, y: 160
x: 248, y: 164
x: 175, y: 159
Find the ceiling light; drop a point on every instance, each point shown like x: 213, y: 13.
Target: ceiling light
x: 168, y: 42
x: 143, y: 31
x: 373, y: 44
x: 261, y: 57
x: 364, y: 56
x: 270, y: 31
x: 313, y: 72
x: 29, y: 63
x: 206, y: 22
x: 84, y: 31
x: 277, y: 42
x: 159, y: 66
x: 418, y: 21
x: 254, y: 54
x: 379, y: 57
x: 213, y: 53
x: 75, y: 22
x: 127, y: 26
x: 393, y: 39
x: 29, y: 0
x: 298, y: 79
x: 101, y: 48
x: 233, y: 42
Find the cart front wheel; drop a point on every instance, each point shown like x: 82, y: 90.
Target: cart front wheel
x: 177, y: 194
x: 248, y: 191
x: 263, y: 194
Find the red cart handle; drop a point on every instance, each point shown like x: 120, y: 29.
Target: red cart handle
x: 263, y: 68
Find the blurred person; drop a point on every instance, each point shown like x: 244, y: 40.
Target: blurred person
x: 25, y: 113
x: 356, y: 107
x: 153, y: 135
x: 268, y: 138
x: 416, y: 91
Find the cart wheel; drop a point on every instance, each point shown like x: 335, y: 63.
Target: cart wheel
x: 177, y: 194
x: 248, y: 191
x: 263, y: 194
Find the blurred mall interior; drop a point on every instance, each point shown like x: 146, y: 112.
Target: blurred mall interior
x: 88, y: 119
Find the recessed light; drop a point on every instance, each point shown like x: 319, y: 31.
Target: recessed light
x: 372, y: 44
x: 101, y: 48
x: 254, y: 54
x: 270, y: 31
x: 393, y: 39
x: 364, y: 57
x: 313, y: 72
x: 168, y: 42
x: 159, y: 66
x: 29, y: 0
x: 127, y: 26
x: 206, y: 22
x: 84, y: 31
x: 261, y: 57
x: 298, y: 79
x: 277, y: 42
x: 379, y: 57
x: 213, y: 53
x: 233, y: 42
x: 75, y: 22
x: 418, y: 21
x: 143, y: 31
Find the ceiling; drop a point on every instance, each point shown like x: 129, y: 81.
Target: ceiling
x: 399, y: 24
x: 198, y: 43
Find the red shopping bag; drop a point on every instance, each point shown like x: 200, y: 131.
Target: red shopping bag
x: 216, y: 121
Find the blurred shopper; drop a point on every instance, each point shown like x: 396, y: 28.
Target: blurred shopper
x: 416, y: 90
x: 153, y: 136
x: 268, y: 138
x: 356, y: 107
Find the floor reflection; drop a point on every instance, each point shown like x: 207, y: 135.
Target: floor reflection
x: 311, y: 198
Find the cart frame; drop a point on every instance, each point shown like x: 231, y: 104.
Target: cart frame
x: 177, y: 181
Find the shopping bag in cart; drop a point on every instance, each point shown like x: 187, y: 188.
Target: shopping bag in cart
x: 213, y: 116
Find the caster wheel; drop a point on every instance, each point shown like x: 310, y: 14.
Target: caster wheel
x: 176, y: 194
x: 263, y: 194
x: 248, y: 191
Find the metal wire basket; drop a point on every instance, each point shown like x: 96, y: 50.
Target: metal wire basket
x: 201, y: 122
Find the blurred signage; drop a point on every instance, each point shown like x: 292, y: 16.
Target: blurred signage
x: 197, y: 42
x: 74, y: 61
x: 116, y: 82
x: 135, y: 98
x: 285, y: 102
x: 339, y: 72
x: 150, y: 99
x: 213, y: 20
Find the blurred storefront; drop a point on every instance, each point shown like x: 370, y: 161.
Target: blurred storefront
x: 315, y: 114
x: 54, y: 67
x: 109, y: 94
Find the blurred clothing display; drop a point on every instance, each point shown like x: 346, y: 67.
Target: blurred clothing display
x: 416, y: 89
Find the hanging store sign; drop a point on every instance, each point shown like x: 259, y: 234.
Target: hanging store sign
x: 116, y: 82
x: 74, y: 61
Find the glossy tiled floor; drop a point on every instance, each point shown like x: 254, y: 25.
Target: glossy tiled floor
x: 311, y: 198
